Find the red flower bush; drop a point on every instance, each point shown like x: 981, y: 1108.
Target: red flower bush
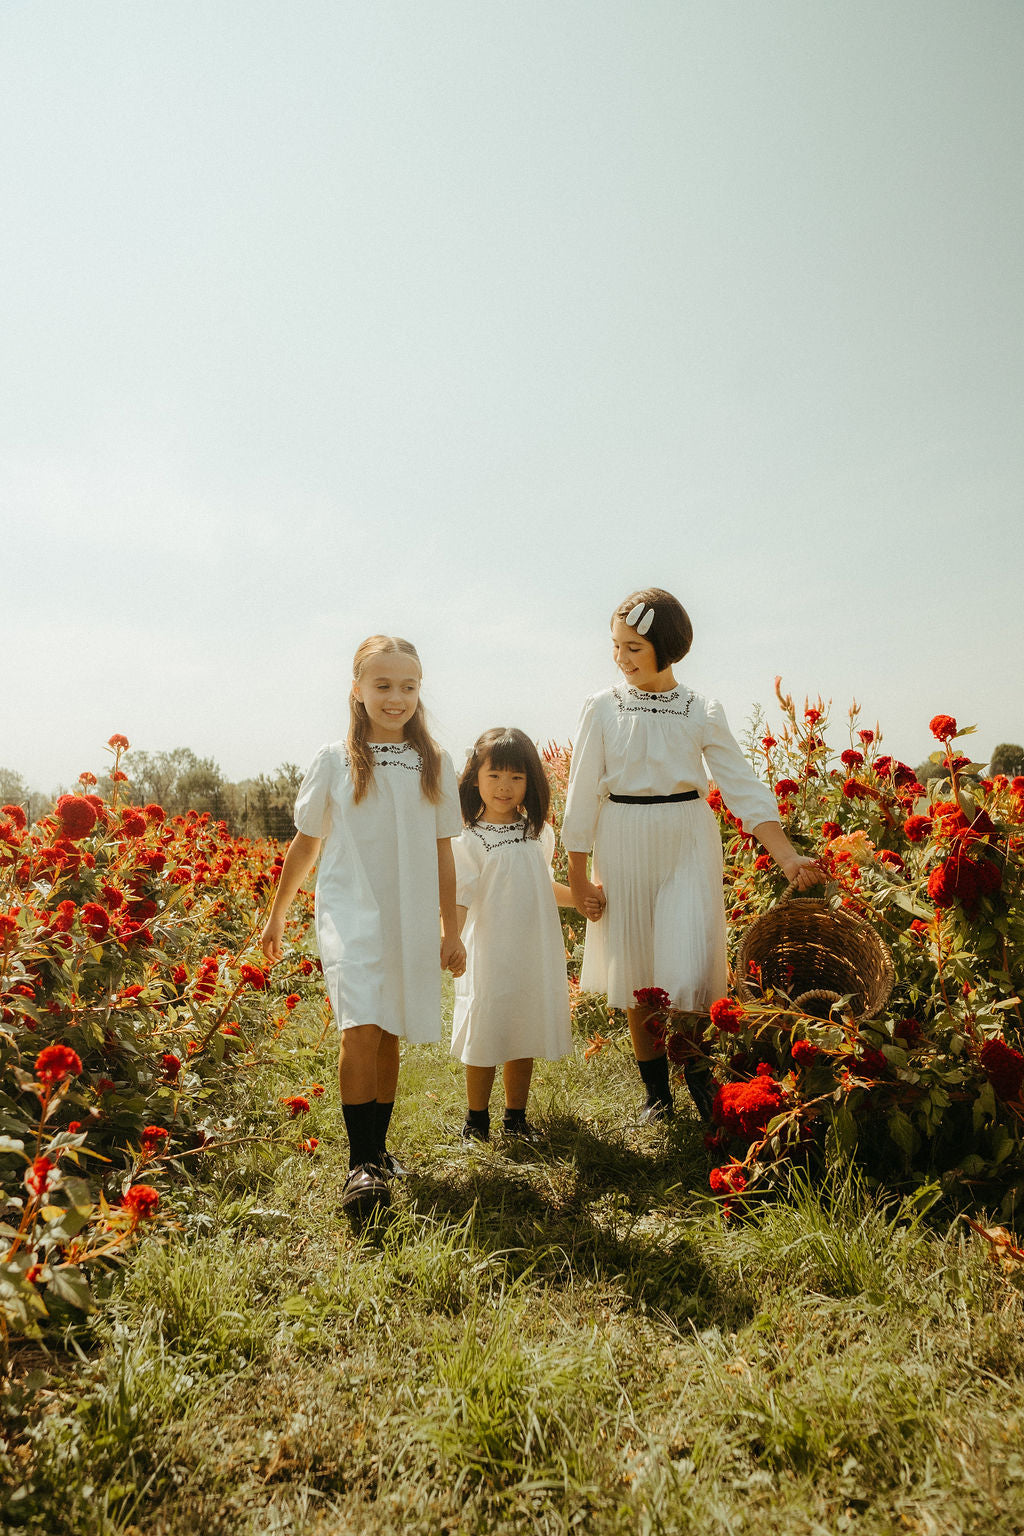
x: 727, y: 1015
x: 141, y: 1202
x: 804, y: 1052
x: 652, y: 997
x: 963, y: 879
x: 76, y: 815
x: 744, y: 1109
x: 56, y: 1062
x: 253, y: 976
x: 730, y: 1179
x: 1004, y: 1068
x: 942, y: 727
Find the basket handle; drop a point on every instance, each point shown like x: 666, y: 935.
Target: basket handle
x: 824, y: 891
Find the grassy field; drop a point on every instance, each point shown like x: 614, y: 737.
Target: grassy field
x: 556, y: 1338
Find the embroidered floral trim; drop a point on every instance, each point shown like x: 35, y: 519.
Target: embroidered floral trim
x: 501, y: 834
x: 633, y: 701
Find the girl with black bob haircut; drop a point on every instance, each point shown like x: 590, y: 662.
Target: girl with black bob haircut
x: 643, y: 754
x: 506, y: 749
x: 512, y: 1002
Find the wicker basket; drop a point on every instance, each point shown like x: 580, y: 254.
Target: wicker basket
x: 813, y: 952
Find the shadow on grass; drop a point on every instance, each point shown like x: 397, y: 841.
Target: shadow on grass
x: 584, y: 1207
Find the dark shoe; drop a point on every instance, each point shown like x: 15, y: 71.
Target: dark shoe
x: 471, y: 1133
x: 654, y: 1111
x: 392, y: 1167
x: 365, y: 1190
x: 521, y: 1130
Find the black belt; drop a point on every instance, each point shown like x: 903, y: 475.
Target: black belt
x: 687, y: 794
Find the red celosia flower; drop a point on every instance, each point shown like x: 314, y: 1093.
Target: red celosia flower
x: 917, y: 828
x: 96, y: 919
x: 746, y: 1108
x: 768, y: 742
x: 763, y: 861
x: 786, y: 787
x: 306, y: 967
x: 153, y: 1138
x: 853, y: 789
x: 141, y: 1201
x: 942, y: 727
x: 678, y: 1047
x: 179, y: 976
x: 8, y: 926
x: 56, y: 1062
x: 310, y: 1145
x: 812, y: 715
x: 963, y: 879
x: 1004, y: 1068
x: 77, y: 817
x: 830, y: 829
x: 729, y: 1179
x: 153, y: 812
x: 317, y: 1090
x: 74, y: 1126
x: 133, y: 823
x: 16, y: 813
x: 894, y: 860
x: 872, y: 1063
x: 118, y: 741
x: 652, y: 997
x: 908, y: 1030
x: 113, y: 897
x: 37, y: 1179
x: 296, y: 1105
x: 252, y: 976
x: 851, y: 757
x: 867, y: 737
x: 803, y: 1052
x: 171, y: 1066
x: 727, y: 1015
x: 292, y: 1001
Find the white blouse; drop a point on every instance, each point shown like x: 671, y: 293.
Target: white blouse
x: 634, y: 743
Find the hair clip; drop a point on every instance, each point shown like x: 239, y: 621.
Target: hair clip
x: 645, y: 623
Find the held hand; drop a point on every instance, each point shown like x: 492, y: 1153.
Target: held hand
x: 590, y: 899
x: 270, y: 939
x: 803, y: 872
x: 453, y: 956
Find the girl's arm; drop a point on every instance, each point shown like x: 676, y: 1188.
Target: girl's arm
x: 453, y: 951
x: 587, y: 897
x: 302, y: 854
x: 797, y: 868
x: 563, y: 895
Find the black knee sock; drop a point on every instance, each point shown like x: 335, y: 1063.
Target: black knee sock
x: 382, y: 1119
x: 513, y: 1118
x: 655, y: 1076
x: 479, y: 1119
x: 702, y: 1087
x: 361, y: 1125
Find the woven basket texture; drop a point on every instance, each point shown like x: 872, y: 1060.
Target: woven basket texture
x: 806, y: 945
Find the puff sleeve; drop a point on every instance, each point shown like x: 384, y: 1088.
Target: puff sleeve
x: 449, y: 808
x: 469, y: 862
x: 586, y: 773
x: 312, y: 814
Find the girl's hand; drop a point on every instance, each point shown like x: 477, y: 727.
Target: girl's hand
x: 271, y: 939
x: 590, y: 899
x: 453, y: 955
x: 802, y: 871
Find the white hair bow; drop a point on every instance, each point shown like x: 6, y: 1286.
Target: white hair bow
x: 645, y: 623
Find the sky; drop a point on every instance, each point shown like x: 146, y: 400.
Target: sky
x: 462, y: 320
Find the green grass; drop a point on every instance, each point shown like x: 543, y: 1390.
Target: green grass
x: 542, y: 1339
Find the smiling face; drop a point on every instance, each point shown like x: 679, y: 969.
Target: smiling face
x: 637, y: 660
x: 388, y: 687
x: 501, y: 790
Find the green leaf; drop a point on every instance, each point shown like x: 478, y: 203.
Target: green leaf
x: 71, y: 1286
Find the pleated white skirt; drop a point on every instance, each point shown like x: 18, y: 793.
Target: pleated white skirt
x: 664, y: 925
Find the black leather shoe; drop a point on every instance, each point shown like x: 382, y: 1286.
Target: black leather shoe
x: 365, y: 1190
x: 521, y: 1130
x: 471, y: 1133
x: 392, y: 1167
x: 656, y: 1110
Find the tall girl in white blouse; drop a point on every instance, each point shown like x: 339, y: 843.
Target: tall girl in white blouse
x: 638, y: 798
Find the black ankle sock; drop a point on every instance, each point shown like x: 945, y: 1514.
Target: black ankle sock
x: 382, y: 1120
x: 655, y: 1076
x: 514, y: 1117
x: 479, y: 1119
x: 361, y: 1125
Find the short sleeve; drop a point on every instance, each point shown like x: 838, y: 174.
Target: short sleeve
x: 586, y: 772
x: 449, y: 807
x: 749, y: 799
x: 312, y: 805
x: 546, y: 838
x: 469, y: 860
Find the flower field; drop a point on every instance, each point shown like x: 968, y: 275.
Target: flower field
x: 781, y: 1323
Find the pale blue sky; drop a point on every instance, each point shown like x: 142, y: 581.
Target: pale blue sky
x: 461, y: 320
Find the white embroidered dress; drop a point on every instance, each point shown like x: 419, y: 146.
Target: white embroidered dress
x: 377, y: 923
x: 660, y: 865
x: 513, y: 1000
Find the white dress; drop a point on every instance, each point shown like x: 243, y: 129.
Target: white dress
x: 660, y: 865
x: 513, y: 1000
x: 377, y: 923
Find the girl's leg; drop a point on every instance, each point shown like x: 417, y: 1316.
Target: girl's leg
x: 517, y: 1075
x: 357, y: 1079
x: 388, y: 1059
x: 479, y: 1082
x: 653, y: 1065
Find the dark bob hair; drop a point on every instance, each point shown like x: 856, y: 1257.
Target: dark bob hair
x: 506, y: 748
x: 670, y: 631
